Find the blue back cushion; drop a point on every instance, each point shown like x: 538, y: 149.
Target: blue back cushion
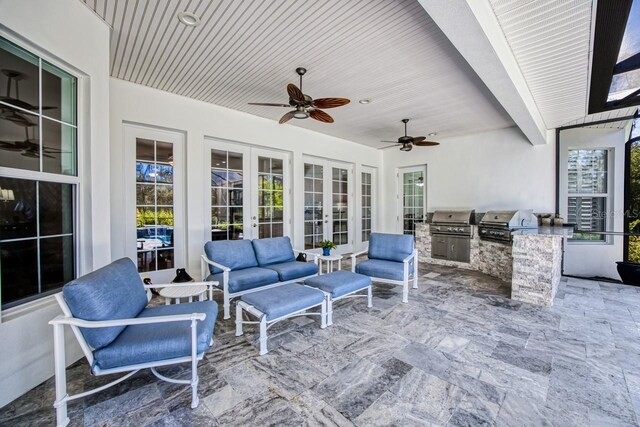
x: 390, y: 247
x: 235, y: 254
x: 273, y: 251
x: 111, y: 292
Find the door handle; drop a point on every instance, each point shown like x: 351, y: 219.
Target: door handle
x: 255, y: 225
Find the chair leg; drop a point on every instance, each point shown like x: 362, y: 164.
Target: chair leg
x: 369, y: 297
x: 227, y: 306
x: 326, y: 315
x: 239, y: 330
x: 194, y: 366
x: 405, y: 290
x: 263, y: 335
x: 61, y: 376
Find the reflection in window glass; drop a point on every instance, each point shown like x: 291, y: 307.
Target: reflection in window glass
x: 270, y: 197
x: 313, y: 203
x: 227, y: 216
x: 154, y: 205
x: 366, y: 206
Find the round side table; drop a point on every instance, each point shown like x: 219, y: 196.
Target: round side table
x: 329, y: 260
x: 186, y: 291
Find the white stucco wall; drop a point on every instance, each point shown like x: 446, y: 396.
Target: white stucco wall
x: 499, y: 169
x: 67, y: 32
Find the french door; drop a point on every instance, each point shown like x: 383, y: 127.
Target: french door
x: 249, y: 192
x: 412, y: 198
x: 328, y: 204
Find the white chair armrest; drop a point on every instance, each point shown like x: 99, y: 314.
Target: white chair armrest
x: 72, y: 321
x: 408, y: 258
x: 357, y: 254
x: 215, y: 264
x: 177, y: 285
x: 313, y: 254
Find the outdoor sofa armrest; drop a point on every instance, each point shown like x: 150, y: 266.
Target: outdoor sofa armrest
x: 72, y: 321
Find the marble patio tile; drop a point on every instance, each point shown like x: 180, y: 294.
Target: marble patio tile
x: 518, y: 411
x: 245, y: 379
x: 633, y: 385
x: 187, y: 417
x: 316, y: 412
x: 530, y: 360
x: 327, y: 358
x: 429, y: 398
x: 354, y: 388
x: 179, y: 395
x: 557, y: 344
x: 261, y: 410
x: 226, y: 356
x: 288, y: 376
x: 452, y: 344
x: 433, y: 362
x: 473, y: 407
x: 378, y: 347
x: 141, y: 406
x: 389, y: 410
x: 223, y: 399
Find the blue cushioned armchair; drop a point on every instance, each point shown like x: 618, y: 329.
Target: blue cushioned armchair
x: 107, y: 312
x: 244, y: 266
x: 392, y: 259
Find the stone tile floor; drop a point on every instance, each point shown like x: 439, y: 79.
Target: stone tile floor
x: 460, y: 353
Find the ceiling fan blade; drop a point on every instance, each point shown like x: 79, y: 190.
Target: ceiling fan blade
x: 295, y: 93
x: 418, y: 139
x: 320, y: 116
x: 329, y: 102
x: 391, y: 141
x: 288, y: 116
x: 269, y: 104
x: 388, y: 146
x: 426, y: 143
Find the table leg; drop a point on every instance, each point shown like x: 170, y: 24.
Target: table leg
x: 191, y: 299
x: 167, y: 301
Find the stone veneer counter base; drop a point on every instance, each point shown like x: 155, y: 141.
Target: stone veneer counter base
x: 532, y: 265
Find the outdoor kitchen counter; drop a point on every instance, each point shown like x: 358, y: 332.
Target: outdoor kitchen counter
x: 532, y: 265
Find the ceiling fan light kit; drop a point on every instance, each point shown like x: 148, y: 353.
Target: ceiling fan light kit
x: 304, y: 105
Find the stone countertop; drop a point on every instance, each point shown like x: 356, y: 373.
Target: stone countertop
x: 565, y: 232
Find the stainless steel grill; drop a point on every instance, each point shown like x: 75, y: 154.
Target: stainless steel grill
x: 499, y: 225
x: 451, y: 233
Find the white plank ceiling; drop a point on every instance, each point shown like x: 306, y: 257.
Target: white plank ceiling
x: 247, y: 51
x: 550, y: 40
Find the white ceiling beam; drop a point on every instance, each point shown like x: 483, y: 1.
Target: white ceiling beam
x: 473, y: 28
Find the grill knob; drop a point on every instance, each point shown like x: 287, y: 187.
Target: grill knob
x: 449, y: 229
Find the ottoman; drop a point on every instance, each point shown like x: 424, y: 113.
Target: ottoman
x: 338, y: 285
x: 279, y: 303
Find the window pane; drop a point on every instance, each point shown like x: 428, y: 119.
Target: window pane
x: 218, y: 196
x: 145, y: 149
x: 59, y: 146
x: 19, y: 272
x: 145, y: 194
x: 58, y: 94
x: 218, y: 178
x: 19, y: 139
x: 164, y: 152
x: 235, y: 161
x: 264, y: 164
x: 18, y: 217
x: 587, y: 171
x: 56, y: 261
x: 276, y: 166
x: 19, y: 76
x: 164, y: 195
x: 165, y: 259
x: 145, y: 172
x: 145, y: 216
x: 164, y: 173
x: 56, y: 208
x: 218, y: 158
x: 589, y: 214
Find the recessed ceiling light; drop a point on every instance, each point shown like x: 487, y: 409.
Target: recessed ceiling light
x: 189, y: 19
x: 365, y: 101
x: 433, y: 134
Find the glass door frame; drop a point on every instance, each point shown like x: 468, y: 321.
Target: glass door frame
x: 131, y: 133
x: 250, y: 155
x: 374, y: 204
x: 400, y: 194
x: 327, y: 186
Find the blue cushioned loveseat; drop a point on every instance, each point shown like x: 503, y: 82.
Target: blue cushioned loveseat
x: 244, y: 266
x: 107, y: 312
x: 392, y: 259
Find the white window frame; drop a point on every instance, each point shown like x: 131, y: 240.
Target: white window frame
x: 81, y: 204
x: 131, y: 133
x: 609, y: 195
x: 400, y: 194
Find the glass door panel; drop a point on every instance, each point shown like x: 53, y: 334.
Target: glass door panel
x: 313, y: 206
x: 270, y: 196
x: 227, y: 195
x: 340, y: 205
x: 412, y: 203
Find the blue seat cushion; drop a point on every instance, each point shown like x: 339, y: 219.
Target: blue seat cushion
x: 293, y: 270
x: 249, y: 278
x: 339, y: 283
x: 159, y: 341
x: 235, y: 254
x: 390, y: 247
x: 114, y: 291
x: 275, y: 250
x: 382, y: 269
x: 282, y: 300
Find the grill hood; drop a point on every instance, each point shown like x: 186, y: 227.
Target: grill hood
x: 460, y: 217
x: 523, y: 218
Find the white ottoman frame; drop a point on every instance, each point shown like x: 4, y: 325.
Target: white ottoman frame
x: 266, y: 324
x: 351, y: 294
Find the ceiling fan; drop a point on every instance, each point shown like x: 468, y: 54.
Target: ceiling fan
x: 409, y: 141
x: 17, y: 76
x: 304, y: 105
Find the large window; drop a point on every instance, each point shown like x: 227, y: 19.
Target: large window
x: 588, y: 192
x: 38, y: 175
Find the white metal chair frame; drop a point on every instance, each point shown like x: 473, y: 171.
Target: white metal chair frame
x: 266, y: 324
x: 227, y: 296
x: 62, y: 397
x: 406, y: 276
